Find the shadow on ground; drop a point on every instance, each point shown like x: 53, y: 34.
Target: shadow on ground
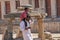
x: 22, y: 39
x: 18, y: 39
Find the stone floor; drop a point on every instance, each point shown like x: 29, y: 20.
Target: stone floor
x: 56, y: 36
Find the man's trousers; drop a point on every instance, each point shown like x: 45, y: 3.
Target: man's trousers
x: 27, y: 34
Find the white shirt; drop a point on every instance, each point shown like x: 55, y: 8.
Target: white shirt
x: 22, y: 26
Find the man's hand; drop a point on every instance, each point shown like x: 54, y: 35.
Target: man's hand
x: 27, y: 28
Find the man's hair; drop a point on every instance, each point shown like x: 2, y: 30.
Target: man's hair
x: 25, y: 8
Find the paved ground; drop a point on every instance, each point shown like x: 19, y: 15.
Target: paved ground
x: 35, y: 35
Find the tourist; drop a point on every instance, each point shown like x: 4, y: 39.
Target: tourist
x: 25, y: 25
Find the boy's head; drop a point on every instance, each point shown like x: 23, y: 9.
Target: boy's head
x: 26, y: 9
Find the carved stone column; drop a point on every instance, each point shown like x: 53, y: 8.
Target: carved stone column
x: 8, y: 34
x: 40, y: 20
x: 41, y: 28
x: 19, y: 34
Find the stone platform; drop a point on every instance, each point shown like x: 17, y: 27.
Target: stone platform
x: 56, y: 36
x: 22, y: 39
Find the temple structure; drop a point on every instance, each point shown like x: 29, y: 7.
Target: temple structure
x: 51, y: 7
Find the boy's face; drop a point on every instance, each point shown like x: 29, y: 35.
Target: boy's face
x: 27, y: 10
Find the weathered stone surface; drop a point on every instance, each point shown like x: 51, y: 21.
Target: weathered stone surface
x: 10, y: 15
x: 5, y: 35
x: 18, y: 39
x: 37, y: 39
x: 19, y: 34
x: 48, y: 35
x: 22, y: 39
x: 9, y: 31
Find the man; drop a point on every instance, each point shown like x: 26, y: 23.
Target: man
x: 24, y: 15
x: 25, y: 25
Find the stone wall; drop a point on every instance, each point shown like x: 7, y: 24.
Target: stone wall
x: 50, y: 26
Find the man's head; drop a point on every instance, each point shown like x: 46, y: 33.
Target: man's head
x: 26, y: 9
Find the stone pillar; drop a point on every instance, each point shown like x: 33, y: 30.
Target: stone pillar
x: 2, y: 9
x: 8, y: 34
x: 10, y: 29
x: 42, y: 6
x: 5, y: 35
x: 33, y: 4
x: 53, y: 8
x: 41, y: 29
x: 13, y: 5
x: 19, y: 34
x: 24, y: 2
x: 40, y: 20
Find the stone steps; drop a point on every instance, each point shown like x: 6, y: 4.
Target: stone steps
x: 22, y: 39
x: 37, y: 39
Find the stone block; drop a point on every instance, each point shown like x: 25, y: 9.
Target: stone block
x: 37, y: 39
x: 48, y: 35
x: 19, y: 34
x: 58, y: 39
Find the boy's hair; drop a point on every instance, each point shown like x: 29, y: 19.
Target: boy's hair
x: 25, y: 8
